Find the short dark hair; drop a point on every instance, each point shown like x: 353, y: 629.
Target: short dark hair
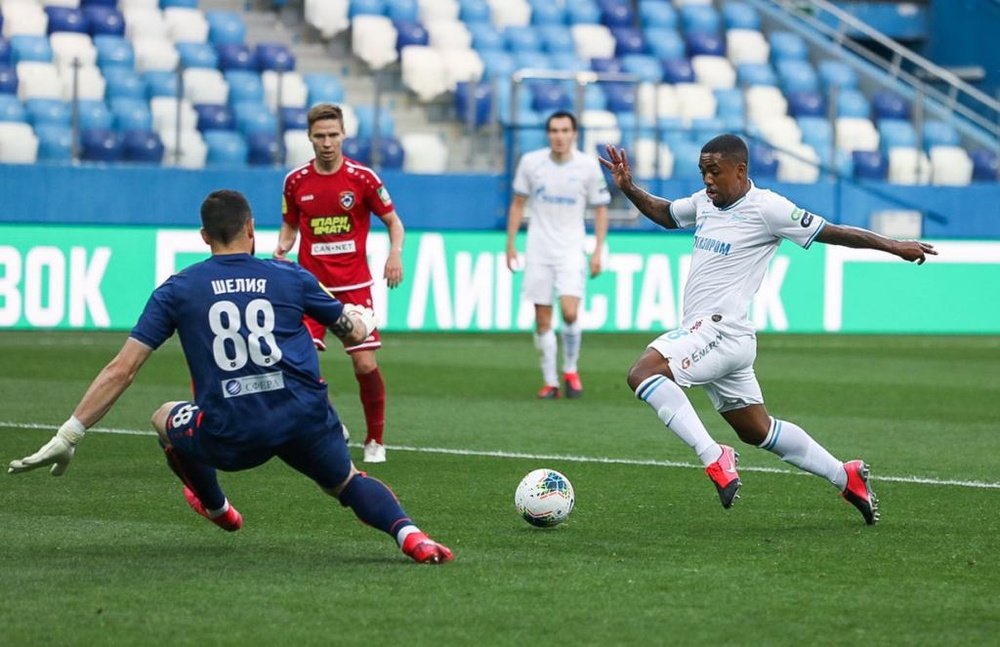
x: 224, y: 214
x: 730, y: 147
x: 322, y: 111
x: 560, y: 114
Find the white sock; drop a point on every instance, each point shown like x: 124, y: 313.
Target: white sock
x: 676, y: 412
x: 790, y: 442
x: 215, y: 514
x: 572, y: 335
x: 546, y: 345
x: 405, y: 532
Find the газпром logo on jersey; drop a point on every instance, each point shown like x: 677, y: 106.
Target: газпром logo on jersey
x: 251, y: 384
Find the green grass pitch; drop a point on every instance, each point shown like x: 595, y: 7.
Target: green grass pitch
x: 110, y: 553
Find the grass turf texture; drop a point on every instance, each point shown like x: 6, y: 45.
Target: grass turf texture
x: 110, y: 553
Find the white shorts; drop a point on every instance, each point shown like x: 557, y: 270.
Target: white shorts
x: 716, y: 356
x: 567, y: 279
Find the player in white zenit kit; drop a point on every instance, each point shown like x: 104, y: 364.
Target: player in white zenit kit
x: 738, y: 227
x: 556, y: 185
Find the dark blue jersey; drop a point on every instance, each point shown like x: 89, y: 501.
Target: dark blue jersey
x: 252, y: 361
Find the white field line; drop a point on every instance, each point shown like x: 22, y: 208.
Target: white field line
x: 557, y: 457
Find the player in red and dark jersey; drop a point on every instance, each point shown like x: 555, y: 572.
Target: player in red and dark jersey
x: 330, y: 201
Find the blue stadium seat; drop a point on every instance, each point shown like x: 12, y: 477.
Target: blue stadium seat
x: 802, y: 103
x: 505, y: 99
x: 628, y: 40
x: 366, y: 121
x: 583, y: 12
x: 123, y: 82
x: 358, y: 149
x: 263, y: 149
x: 275, y: 56
x: 568, y: 62
x: 533, y: 60
x: 104, y: 20
x: 113, y: 51
x: 11, y: 109
x: 870, y: 165
x: 606, y: 65
x: 556, y: 39
x: 30, y: 48
x: 5, y: 53
x: 657, y: 14
x: 531, y: 136
x: 197, y: 55
x: 787, y: 46
x: 413, y: 33
x: 686, y: 154
x: 621, y: 96
x: 253, y: 117
x: 816, y: 131
x: 294, y: 118
x: 729, y: 102
x: 142, y: 147
x: 473, y: 12
x: 402, y: 10
x: 633, y: 129
x: 705, y: 44
x: 673, y: 130
x: 366, y: 7
x: 214, y: 117
x: 678, y: 71
x: 852, y: 103
x: 594, y: 97
x: 244, y: 86
x: 225, y: 27
x: 739, y: 15
x: 544, y: 12
x: 131, y: 114
x: 226, y: 148
x: 549, y: 97
x: 896, y: 132
x: 665, y: 43
x: 886, y: 104
x: 101, y: 145
x: 940, y: 133
x: 66, y: 19
x: 705, y: 128
x: 323, y: 88
x: 522, y: 39
x: 55, y: 143
x: 160, y: 83
x: 763, y: 161
x: 98, y: 3
x: 617, y: 14
x: 236, y: 56
x: 700, y: 19
x: 985, y: 165
x: 93, y: 114
x: 477, y: 97
x: 186, y: 4
x: 796, y: 76
x: 485, y: 37
x: 48, y: 111
x: 647, y: 68
x: 838, y: 74
x: 8, y: 80
x: 391, y: 154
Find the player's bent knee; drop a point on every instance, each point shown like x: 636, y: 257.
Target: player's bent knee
x: 159, y: 421
x: 337, y: 490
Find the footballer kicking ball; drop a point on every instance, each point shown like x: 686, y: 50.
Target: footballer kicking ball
x: 544, y: 498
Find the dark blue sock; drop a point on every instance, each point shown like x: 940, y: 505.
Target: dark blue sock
x: 374, y: 504
x: 199, y: 477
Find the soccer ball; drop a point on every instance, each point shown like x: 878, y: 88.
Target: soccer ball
x: 544, y: 498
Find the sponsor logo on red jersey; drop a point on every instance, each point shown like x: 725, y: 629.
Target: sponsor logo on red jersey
x: 325, y: 225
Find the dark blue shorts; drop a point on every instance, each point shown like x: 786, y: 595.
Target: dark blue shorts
x: 321, y: 455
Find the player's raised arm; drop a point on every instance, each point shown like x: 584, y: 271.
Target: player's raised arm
x: 394, y: 264
x: 858, y: 238
x: 655, y: 208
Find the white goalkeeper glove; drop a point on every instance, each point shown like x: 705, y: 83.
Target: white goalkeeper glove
x: 359, y: 313
x: 58, y: 452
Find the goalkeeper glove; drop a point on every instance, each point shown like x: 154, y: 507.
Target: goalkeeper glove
x: 361, y: 314
x: 57, y: 452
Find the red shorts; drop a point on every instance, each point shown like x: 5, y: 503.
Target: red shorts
x: 358, y: 296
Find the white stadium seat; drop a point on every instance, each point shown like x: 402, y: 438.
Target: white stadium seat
x: 763, y: 101
x: 696, y: 101
x: 856, y: 134
x: 72, y: 4
x: 24, y: 19
x: 424, y: 71
x: 714, y: 71
x: 448, y: 34
x: 164, y: 111
x: 38, y: 81
x: 193, y: 150
x: 593, y: 41
x: 145, y: 23
x: 373, y: 40
x: 18, y: 143
x: 798, y: 163
x: 138, y: 4
x: 298, y: 149
x: 439, y: 10
x: 424, y: 153
x: 645, y: 154
x: 69, y: 46
x: 462, y: 66
x: 351, y: 121
x: 89, y: 82
x: 746, y: 46
x: 330, y: 17
x: 667, y: 102
x: 294, y: 92
x: 908, y: 165
x: 599, y: 127
x: 510, y: 13
x: 951, y: 165
x: 780, y: 131
x: 155, y: 53
x: 186, y: 25
x: 204, y: 85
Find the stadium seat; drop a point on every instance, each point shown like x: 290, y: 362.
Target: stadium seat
x: 424, y: 153
x: 185, y: 24
x: 621, y: 97
x: 143, y: 22
x: 225, y: 148
x: 287, y: 90
x: 473, y: 103
x: 705, y: 128
x: 950, y: 165
x: 739, y: 15
x: 83, y: 83
x: 896, y: 132
x: 293, y: 118
x: 131, y: 114
x: 167, y: 111
x: 37, y: 80
x: 653, y: 13
x: 203, y: 85
x: 8, y: 80
x: 617, y: 14
x: 628, y: 40
x: 473, y: 12
x: 188, y: 150
x: 5, y: 53
x: 647, y: 68
x: 485, y: 37
x: 185, y: 4
x: 985, y: 165
x: 798, y: 163
x: 665, y: 44
x: 852, y: 103
x: 816, y: 131
x: 713, y: 71
x: 856, y: 134
x: 747, y: 46
x: 835, y: 73
x: 729, y: 102
x: 69, y: 47
x: 423, y: 71
x: 700, y: 19
x: 593, y: 41
x: 763, y: 161
x: 750, y: 74
x: 787, y: 46
x: 11, y: 109
x: 765, y: 101
x: 142, y: 147
x: 275, y: 56
x: 556, y: 39
x: 323, y: 88
x: 225, y: 27
x: 24, y: 19
x: 606, y: 65
x: 889, y: 105
x: 161, y: 83
x: 678, y: 71
x: 796, y: 76
x: 194, y: 54
x: 509, y: 13
x: 244, y: 86
x: 497, y: 64
x: 599, y: 127
x: 939, y: 133
x: 549, y: 97
x: 212, y: 116
x: 330, y: 17
x: 298, y: 148
x: 704, y: 44
x: 374, y: 39
x: 366, y: 8
x: 104, y: 20
x: 391, y: 154
x: 462, y: 65
x: 358, y: 149
x: 94, y: 115
x: 583, y: 12
x: 870, y: 165
x: 236, y: 56
x: 101, y: 145
x: 567, y: 62
x: 522, y: 39
x: 18, y: 143
x: 366, y: 121
x: 402, y: 10
x: 113, y: 51
x: 413, y: 33
x: 66, y: 19
x: 55, y: 143
x: 686, y: 154
x: 123, y: 82
x: 806, y: 104
x: 908, y: 165
x: 25, y: 48
x: 154, y: 53
x: 252, y: 118
x: 780, y: 131
x: 547, y: 13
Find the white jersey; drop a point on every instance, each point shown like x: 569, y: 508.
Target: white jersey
x: 558, y: 196
x: 732, y: 247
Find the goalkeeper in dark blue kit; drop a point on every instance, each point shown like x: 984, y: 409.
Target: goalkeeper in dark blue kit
x: 257, y: 388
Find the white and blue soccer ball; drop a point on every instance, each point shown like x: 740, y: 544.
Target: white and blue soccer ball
x: 544, y: 498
